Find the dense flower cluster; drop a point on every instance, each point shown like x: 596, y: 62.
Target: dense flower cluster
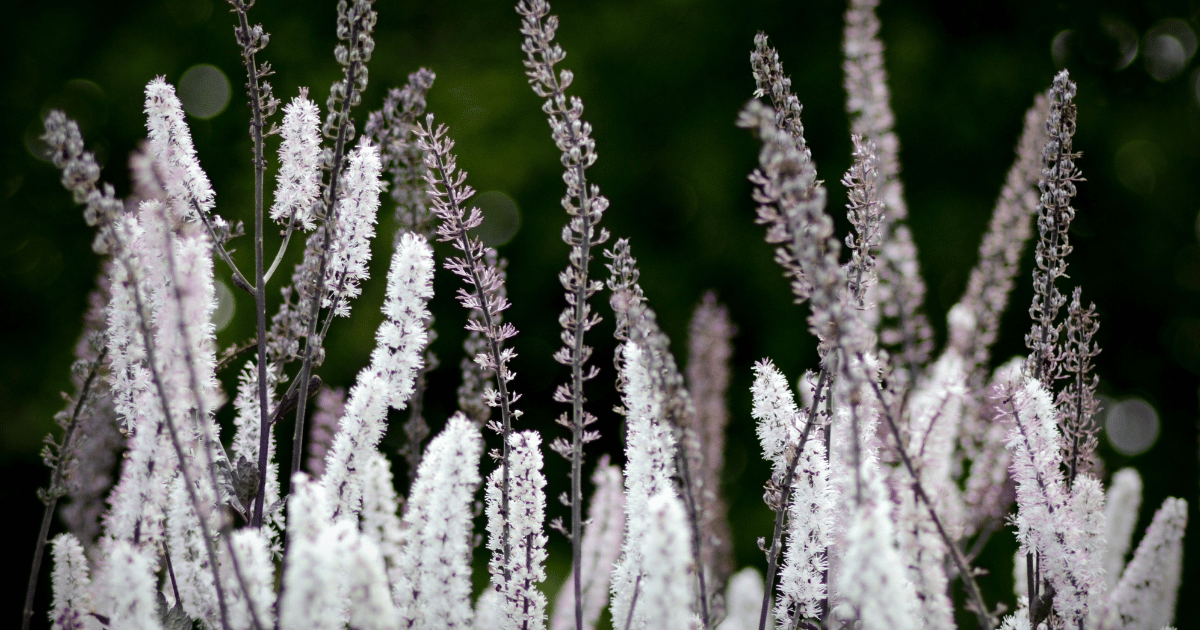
x: 890, y: 462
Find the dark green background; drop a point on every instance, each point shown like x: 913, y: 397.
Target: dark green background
x: 662, y: 81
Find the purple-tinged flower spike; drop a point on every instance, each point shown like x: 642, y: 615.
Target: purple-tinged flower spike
x: 1077, y: 401
x: 602, y: 534
x: 809, y: 529
x: 710, y: 349
x: 80, y: 174
x: 667, y: 585
x: 251, y: 564
x: 388, y: 380
x: 185, y: 544
x: 299, y: 177
x: 72, y: 601
x: 585, y: 206
x: 522, y: 605
x: 1121, y: 506
x: 246, y: 442
x: 649, y: 468
x: 368, y: 592
x: 188, y: 190
x: 449, y: 192
x: 139, y: 500
x: 128, y: 587
x: 475, y: 377
x: 1057, y: 185
x: 743, y: 597
x: 1047, y: 523
x: 331, y: 405
x: 637, y: 322
x: 353, y: 229
x: 934, y: 413
x: 356, y: 22
x: 1145, y: 596
x: 83, y: 459
x: 901, y: 291
x: 784, y: 200
x: 392, y: 128
x: 865, y: 210
x: 769, y: 79
x: 433, y: 579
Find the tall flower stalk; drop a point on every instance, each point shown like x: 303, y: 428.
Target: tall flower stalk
x: 449, y: 193
x: 585, y: 206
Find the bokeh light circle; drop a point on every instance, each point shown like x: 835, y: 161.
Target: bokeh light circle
x: 204, y: 91
x: 1131, y: 426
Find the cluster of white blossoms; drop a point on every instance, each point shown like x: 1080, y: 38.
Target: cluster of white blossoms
x: 893, y: 463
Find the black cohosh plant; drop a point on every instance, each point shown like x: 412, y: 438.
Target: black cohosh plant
x: 890, y: 471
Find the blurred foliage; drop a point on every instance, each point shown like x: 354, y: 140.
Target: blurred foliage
x: 662, y: 81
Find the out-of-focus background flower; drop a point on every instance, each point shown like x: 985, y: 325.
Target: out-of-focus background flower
x: 662, y: 81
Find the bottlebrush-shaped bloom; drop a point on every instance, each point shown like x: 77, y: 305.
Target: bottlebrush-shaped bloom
x: 388, y: 381
x: 1121, y: 506
x: 433, y: 589
x: 381, y: 510
x: 1145, y: 596
x: 516, y: 580
x: 667, y: 581
x: 353, y: 229
x: 779, y: 421
x: 193, y: 576
x: 649, y: 468
x: 710, y: 349
x: 129, y: 587
x: 72, y: 586
x: 368, y: 592
x: 870, y: 577
x: 256, y: 568
x: 743, y: 601
x: 810, y: 522
x: 187, y: 186
x: 299, y: 178
x: 313, y: 593
x: 1047, y: 522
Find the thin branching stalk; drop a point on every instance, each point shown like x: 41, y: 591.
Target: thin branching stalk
x: 462, y: 239
x: 585, y: 206
x: 56, y: 486
x: 250, y: 45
